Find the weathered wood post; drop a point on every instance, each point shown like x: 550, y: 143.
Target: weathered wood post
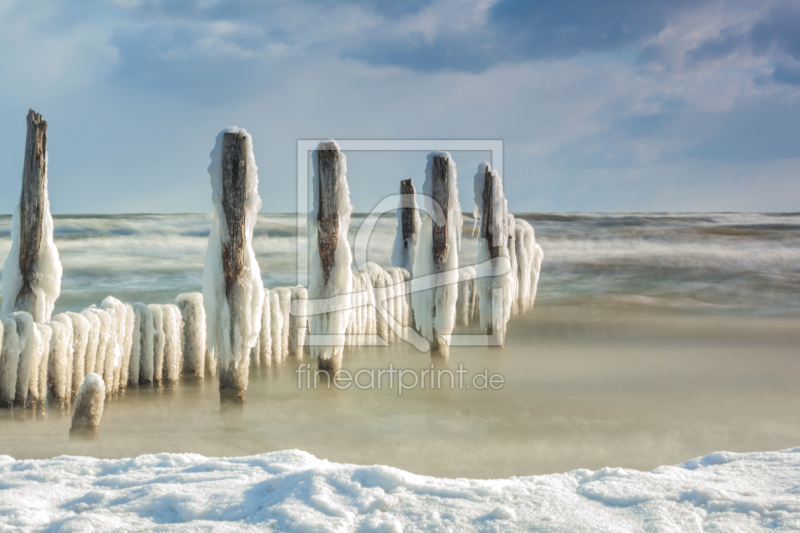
x: 88, y: 408
x: 331, y: 277
x: 488, y: 223
x: 440, y: 192
x: 31, y: 208
x: 405, y: 246
x: 234, y: 196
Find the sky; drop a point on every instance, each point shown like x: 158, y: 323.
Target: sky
x: 620, y: 105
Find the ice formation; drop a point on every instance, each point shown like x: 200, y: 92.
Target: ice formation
x: 59, y: 367
x: 467, y: 296
x: 46, y: 283
x: 496, y: 283
x: 158, y: 342
x: 232, y: 333
x: 276, y: 326
x: 284, y: 304
x: 529, y: 262
x: 81, y: 331
x: 330, y: 275
x: 88, y: 407
x: 265, y: 333
x: 37, y: 384
x: 404, y: 249
x: 9, y: 360
x: 92, y: 341
x: 146, y: 335
x: 173, y: 357
x: 298, y: 321
x: 194, y: 333
x: 435, y: 281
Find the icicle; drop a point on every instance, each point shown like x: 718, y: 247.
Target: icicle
x: 173, y: 358
x: 158, y: 342
x: 265, y: 334
x: 37, y: 387
x: 59, y: 373
x: 28, y: 344
x: 276, y: 326
x: 80, y: 339
x: 298, y: 322
x: 147, y: 342
x: 92, y: 341
x: 9, y: 360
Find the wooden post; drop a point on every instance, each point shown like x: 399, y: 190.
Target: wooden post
x: 327, y: 210
x: 328, y: 224
x: 31, y: 209
x: 487, y: 222
x: 441, y: 195
x: 407, y: 215
x: 234, y: 197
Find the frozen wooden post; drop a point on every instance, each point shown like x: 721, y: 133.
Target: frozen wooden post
x: 487, y: 220
x: 31, y: 209
x: 88, y: 408
x: 407, y: 219
x: 328, y: 223
x: 234, y: 197
x: 440, y: 192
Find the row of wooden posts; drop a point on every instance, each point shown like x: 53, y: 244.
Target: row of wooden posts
x: 234, y: 197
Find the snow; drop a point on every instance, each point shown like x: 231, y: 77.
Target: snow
x: 339, y: 284
x: 294, y: 491
x: 232, y: 333
x: 435, y: 307
x: 47, y: 284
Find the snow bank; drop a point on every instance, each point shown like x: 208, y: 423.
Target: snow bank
x: 294, y: 491
x: 435, y: 307
x: 339, y: 281
x: 47, y: 283
x: 232, y: 333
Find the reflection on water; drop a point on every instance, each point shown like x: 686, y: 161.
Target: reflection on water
x: 584, y: 388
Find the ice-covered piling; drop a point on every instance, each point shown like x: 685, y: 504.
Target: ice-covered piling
x: 330, y: 281
x: 32, y: 271
x: 88, y: 408
x: 233, y: 293
x: 408, y: 222
x: 147, y: 342
x: 499, y: 279
x: 59, y: 371
x: 436, y: 262
x: 81, y: 331
x: 265, y: 334
x: 9, y: 360
x: 173, y: 358
x: 194, y: 333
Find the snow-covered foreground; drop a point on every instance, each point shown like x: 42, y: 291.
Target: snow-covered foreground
x: 294, y: 491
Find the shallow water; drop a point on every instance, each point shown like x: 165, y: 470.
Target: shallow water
x: 655, y: 339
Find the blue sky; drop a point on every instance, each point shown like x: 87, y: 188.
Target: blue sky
x: 621, y: 105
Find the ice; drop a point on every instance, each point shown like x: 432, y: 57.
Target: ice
x: 284, y: 302
x: 59, y: 369
x: 276, y: 326
x: 147, y: 342
x: 405, y: 250
x: 122, y: 315
x: 497, y: 279
x: 37, y: 385
x: 294, y: 491
x: 529, y: 256
x: 9, y: 360
x: 173, y: 355
x: 81, y: 331
x: 88, y: 407
x: 47, y: 284
x: 435, y: 307
x: 298, y: 321
x: 158, y: 342
x: 232, y: 333
x: 467, y: 296
x: 194, y: 333
x: 92, y: 341
x: 28, y: 345
x: 331, y: 323
x: 265, y: 334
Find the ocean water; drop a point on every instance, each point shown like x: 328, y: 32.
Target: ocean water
x: 655, y: 338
